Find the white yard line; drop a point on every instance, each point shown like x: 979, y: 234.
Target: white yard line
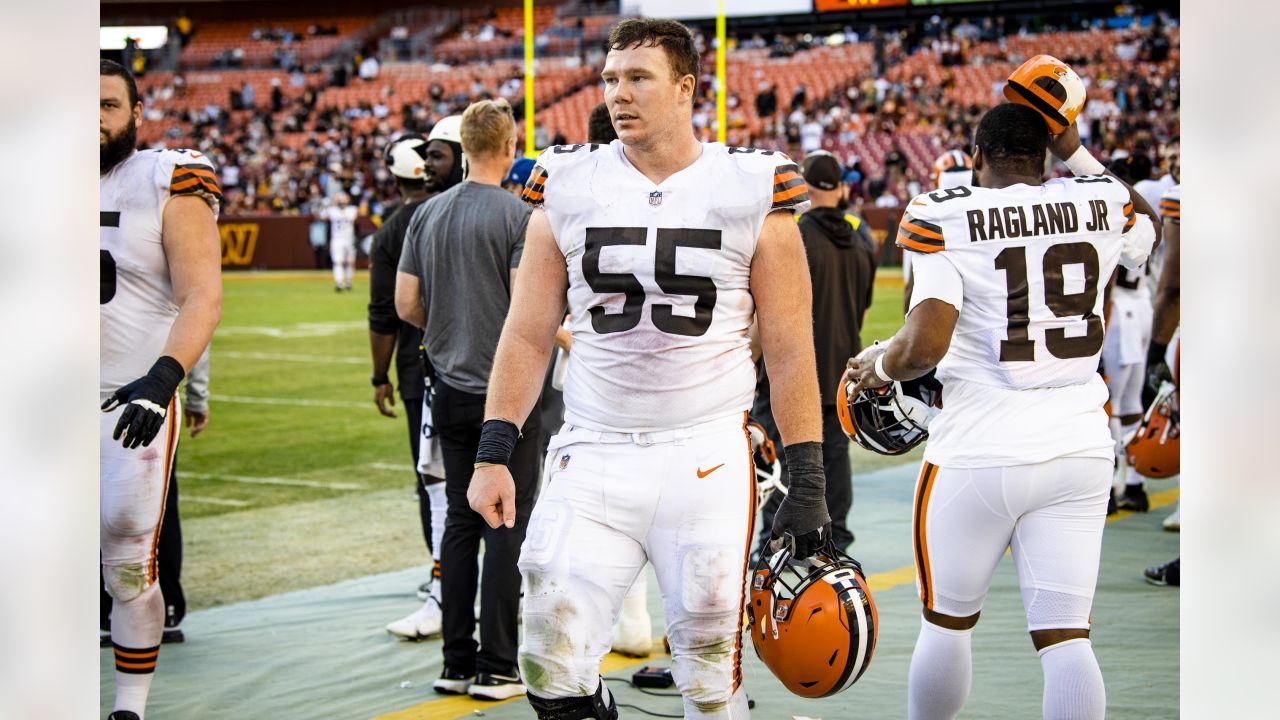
x: 291, y: 402
x: 290, y: 482
x: 286, y: 357
x: 392, y: 467
x: 185, y: 498
x: 298, y: 330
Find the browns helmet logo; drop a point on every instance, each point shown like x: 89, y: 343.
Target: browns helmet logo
x: 1050, y: 87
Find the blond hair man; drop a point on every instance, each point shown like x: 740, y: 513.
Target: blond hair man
x: 455, y: 278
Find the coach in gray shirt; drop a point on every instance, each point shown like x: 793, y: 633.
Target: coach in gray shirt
x: 459, y: 264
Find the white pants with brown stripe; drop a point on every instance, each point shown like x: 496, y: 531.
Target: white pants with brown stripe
x: 1051, y: 515
x: 685, y: 501
x: 132, y: 488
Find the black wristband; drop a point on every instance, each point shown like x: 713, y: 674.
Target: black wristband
x: 804, y: 467
x: 1156, y: 353
x: 380, y: 380
x: 497, y: 441
x: 169, y: 372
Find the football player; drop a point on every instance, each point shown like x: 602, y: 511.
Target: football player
x: 1007, y: 304
x: 422, y: 168
x: 342, y: 240
x: 663, y: 247
x: 952, y: 169
x: 1162, y: 363
x: 161, y: 298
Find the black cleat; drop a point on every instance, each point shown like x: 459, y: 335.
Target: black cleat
x: 1134, y: 498
x: 1111, y: 504
x: 1168, y: 574
x: 123, y: 715
x: 453, y: 682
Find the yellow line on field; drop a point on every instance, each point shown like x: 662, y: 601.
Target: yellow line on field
x: 460, y: 706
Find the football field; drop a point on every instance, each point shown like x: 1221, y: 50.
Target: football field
x: 303, y: 541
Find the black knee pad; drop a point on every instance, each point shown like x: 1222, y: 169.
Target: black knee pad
x: 599, y: 706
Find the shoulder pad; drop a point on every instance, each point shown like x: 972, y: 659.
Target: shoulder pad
x: 552, y: 160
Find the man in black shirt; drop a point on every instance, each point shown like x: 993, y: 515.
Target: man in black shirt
x: 842, y: 266
x: 422, y: 168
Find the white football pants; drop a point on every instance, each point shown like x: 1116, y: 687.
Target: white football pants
x: 682, y: 499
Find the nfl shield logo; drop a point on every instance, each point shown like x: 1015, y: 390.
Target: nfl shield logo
x: 564, y: 461
x: 655, y: 198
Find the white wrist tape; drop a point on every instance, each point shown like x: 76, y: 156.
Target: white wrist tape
x: 1082, y: 162
x: 878, y: 368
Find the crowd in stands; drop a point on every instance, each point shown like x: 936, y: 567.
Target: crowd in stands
x: 287, y: 137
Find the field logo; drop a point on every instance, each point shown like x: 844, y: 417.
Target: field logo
x: 238, y: 242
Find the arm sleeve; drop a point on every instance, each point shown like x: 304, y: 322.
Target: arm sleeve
x: 382, y: 285
x: 197, y: 399
x: 936, y: 277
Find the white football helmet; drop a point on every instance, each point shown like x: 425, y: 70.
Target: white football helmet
x: 765, y: 457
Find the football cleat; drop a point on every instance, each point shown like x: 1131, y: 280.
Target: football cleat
x: 123, y: 715
x: 1050, y: 87
x: 1168, y: 574
x: 1134, y: 498
x: 423, y: 623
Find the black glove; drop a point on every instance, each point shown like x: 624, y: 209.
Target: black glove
x: 1157, y: 372
x: 147, y: 401
x: 802, y: 517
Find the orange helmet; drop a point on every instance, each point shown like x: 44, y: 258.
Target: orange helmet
x: 1049, y: 86
x: 813, y: 621
x: 951, y: 161
x: 1153, y: 449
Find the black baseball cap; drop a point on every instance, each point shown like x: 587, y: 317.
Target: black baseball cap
x: 822, y: 170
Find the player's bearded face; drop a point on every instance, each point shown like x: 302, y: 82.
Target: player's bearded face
x: 116, y: 146
x: 439, y: 165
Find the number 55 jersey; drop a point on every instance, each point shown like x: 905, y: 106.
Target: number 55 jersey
x: 1026, y: 266
x: 659, y: 279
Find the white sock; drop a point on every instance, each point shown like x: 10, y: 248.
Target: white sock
x: 1073, y: 688
x: 1125, y: 431
x: 439, y: 506
x: 941, y: 673
x: 136, y: 628
x: 337, y: 273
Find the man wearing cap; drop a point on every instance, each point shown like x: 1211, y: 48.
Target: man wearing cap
x: 422, y: 168
x: 518, y: 175
x: 842, y: 268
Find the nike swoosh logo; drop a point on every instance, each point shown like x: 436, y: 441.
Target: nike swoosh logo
x: 702, y: 473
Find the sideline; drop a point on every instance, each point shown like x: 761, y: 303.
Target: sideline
x: 461, y: 706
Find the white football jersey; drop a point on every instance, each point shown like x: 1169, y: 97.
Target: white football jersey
x: 137, y: 304
x: 659, y: 279
x: 342, y: 222
x: 1026, y: 267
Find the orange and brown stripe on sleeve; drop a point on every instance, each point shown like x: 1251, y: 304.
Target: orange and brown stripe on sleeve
x: 1171, y: 210
x: 136, y: 661
x: 535, y: 186
x: 1130, y: 217
x: 919, y: 532
x: 920, y: 236
x: 194, y: 179
x: 789, y: 188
